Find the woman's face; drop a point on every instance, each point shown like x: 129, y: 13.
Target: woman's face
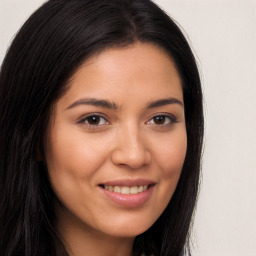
x: 117, y: 141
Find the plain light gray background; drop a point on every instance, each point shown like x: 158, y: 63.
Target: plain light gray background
x: 223, y: 36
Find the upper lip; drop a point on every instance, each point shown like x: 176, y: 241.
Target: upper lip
x: 129, y: 182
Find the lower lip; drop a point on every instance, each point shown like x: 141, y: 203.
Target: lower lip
x: 131, y: 201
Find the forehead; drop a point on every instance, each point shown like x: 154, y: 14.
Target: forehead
x: 140, y: 68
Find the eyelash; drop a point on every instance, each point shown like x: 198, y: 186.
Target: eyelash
x: 93, y: 126
x: 172, y: 120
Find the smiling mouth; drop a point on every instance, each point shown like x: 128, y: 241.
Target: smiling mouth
x: 126, y: 190
x: 128, y: 193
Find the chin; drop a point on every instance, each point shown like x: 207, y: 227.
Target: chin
x: 128, y: 228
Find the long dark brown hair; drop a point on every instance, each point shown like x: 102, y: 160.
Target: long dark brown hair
x: 47, y: 50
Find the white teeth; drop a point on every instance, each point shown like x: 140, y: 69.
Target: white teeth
x: 117, y: 189
x: 141, y: 188
x: 126, y: 190
x: 134, y: 190
x: 110, y: 188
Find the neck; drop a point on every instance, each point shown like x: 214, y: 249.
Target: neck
x: 79, y: 239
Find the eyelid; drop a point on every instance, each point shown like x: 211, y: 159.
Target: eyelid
x: 82, y: 119
x: 172, y: 118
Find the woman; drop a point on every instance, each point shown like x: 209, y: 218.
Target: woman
x: 101, y: 132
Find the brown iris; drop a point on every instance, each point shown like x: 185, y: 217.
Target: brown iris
x: 159, y: 119
x: 93, y: 120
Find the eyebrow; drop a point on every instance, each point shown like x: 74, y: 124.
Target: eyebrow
x: 163, y: 102
x: 111, y: 105
x: 94, y: 102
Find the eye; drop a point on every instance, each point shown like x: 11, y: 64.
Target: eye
x: 94, y: 120
x: 162, y: 120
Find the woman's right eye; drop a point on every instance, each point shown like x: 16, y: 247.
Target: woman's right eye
x: 94, y: 120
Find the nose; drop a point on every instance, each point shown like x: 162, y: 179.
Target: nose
x: 131, y: 149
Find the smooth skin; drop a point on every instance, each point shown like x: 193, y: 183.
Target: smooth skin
x: 121, y: 118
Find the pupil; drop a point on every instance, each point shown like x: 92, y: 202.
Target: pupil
x: 159, y: 119
x: 93, y: 120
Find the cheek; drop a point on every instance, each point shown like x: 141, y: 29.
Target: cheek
x: 74, y: 155
x: 72, y: 163
x: 171, y: 154
x: 170, y: 158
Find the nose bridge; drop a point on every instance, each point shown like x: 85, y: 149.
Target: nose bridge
x: 131, y: 147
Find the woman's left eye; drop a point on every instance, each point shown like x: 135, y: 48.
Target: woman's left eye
x: 94, y: 120
x: 162, y: 120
